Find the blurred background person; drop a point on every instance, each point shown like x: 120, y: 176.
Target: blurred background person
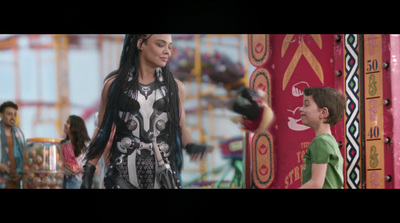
x: 12, y: 141
x: 77, y: 138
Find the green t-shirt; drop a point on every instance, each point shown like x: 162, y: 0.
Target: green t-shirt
x: 324, y: 149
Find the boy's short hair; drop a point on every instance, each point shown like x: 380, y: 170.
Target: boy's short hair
x: 329, y: 98
x: 8, y: 104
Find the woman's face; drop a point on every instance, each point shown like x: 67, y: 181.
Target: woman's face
x: 67, y: 126
x: 156, y: 50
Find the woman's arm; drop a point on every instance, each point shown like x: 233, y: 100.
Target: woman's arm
x: 90, y: 166
x: 186, y: 137
x: 102, y: 110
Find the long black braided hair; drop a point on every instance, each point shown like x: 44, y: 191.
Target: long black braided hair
x: 128, y: 68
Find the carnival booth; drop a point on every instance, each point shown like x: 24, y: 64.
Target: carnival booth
x: 362, y: 67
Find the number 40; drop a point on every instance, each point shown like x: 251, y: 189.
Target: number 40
x: 374, y: 132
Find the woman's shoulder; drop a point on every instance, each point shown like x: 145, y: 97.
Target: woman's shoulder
x: 109, y: 79
x: 178, y: 82
x: 107, y: 84
x: 181, y: 88
x: 111, y: 76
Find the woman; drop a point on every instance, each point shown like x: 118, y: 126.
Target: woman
x: 76, y: 134
x: 142, y: 119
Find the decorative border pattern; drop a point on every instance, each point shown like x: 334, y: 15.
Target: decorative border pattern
x: 374, y: 115
x: 261, y: 79
x: 352, y: 142
x: 262, y: 144
x: 261, y: 148
x: 258, y: 49
x: 263, y: 160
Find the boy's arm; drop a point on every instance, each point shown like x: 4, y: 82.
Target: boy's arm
x: 318, y: 176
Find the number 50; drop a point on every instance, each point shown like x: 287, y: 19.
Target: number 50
x: 372, y: 65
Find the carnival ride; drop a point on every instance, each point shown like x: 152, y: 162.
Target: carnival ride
x: 203, y: 73
x: 59, y: 45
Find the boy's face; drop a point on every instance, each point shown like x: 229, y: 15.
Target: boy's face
x: 311, y: 115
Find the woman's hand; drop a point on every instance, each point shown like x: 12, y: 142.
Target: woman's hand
x: 199, y: 155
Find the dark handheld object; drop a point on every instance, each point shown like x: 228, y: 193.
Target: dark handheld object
x: 256, y: 114
x: 246, y: 104
x: 194, y: 148
x: 87, y: 178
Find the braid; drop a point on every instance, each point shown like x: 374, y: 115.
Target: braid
x: 174, y: 117
x: 129, y: 59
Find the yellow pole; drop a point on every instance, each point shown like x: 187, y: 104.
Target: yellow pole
x: 62, y: 105
x: 197, y: 72
x: 246, y: 62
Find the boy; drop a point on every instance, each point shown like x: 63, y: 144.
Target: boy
x: 322, y: 108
